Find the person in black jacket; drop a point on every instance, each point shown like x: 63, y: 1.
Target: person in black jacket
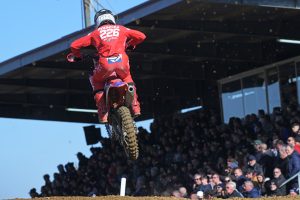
x: 282, y: 161
x: 274, y: 189
x: 279, y: 179
x: 253, y: 165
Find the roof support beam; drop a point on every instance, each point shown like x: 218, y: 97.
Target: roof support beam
x: 70, y: 85
x: 200, y: 52
x: 255, y: 29
x: 293, y: 4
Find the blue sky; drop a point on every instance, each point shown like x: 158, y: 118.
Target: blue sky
x: 31, y: 148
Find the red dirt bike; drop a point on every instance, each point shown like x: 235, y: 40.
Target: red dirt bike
x: 121, y: 125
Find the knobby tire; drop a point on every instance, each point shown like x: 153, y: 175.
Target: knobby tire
x: 129, y: 129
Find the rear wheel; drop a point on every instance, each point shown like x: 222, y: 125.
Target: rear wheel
x: 130, y: 142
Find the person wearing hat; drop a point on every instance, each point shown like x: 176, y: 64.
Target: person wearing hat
x: 258, y: 152
x: 253, y: 165
x: 257, y: 142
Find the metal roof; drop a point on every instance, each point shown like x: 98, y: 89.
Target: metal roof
x: 190, y: 44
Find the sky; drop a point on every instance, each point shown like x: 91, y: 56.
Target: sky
x: 31, y: 148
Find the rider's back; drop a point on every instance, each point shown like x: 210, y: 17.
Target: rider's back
x: 110, y: 40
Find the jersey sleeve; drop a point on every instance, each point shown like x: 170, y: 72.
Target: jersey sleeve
x: 135, y: 37
x: 79, y: 43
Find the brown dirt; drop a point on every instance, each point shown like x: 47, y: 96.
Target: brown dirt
x: 146, y: 198
x: 105, y: 198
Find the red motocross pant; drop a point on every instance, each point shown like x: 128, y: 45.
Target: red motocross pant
x: 108, y: 67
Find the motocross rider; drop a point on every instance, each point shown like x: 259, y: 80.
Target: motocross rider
x: 111, y: 41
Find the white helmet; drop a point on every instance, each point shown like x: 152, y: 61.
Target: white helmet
x: 104, y: 16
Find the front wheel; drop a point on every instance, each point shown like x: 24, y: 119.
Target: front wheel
x: 129, y: 133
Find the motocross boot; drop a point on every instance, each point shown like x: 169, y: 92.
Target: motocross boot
x: 136, y: 109
x: 100, y: 103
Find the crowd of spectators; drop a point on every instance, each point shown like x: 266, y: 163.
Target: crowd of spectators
x: 190, y: 156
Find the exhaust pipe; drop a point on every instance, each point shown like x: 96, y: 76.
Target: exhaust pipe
x: 129, y: 95
x: 131, y: 90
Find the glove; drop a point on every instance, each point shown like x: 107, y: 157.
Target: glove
x: 72, y: 58
x: 128, y: 45
x: 130, y: 48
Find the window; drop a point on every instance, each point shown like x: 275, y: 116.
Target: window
x: 232, y: 100
x: 254, y: 93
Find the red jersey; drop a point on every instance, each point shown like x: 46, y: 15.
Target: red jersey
x: 297, y: 148
x: 109, y: 40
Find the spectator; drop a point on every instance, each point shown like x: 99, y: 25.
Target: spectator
x: 250, y: 191
x: 33, y: 193
x: 231, y: 191
x: 47, y: 180
x: 291, y: 141
x: 194, y: 143
x: 218, y: 185
x: 176, y: 194
x: 239, y: 178
x: 83, y: 161
x: 283, y: 162
x: 279, y: 179
x: 294, y: 192
x: 295, y: 126
x: 294, y: 160
x: 250, y: 175
x: 231, y: 165
x: 294, y: 163
x: 253, y: 165
x: 262, y: 184
x: 197, y: 183
x: 217, y: 181
x: 267, y: 160
x: 297, y: 144
x: 278, y: 144
x: 257, y: 148
x: 205, y: 186
x: 274, y: 189
x: 227, y: 179
x: 183, y: 192
x: 61, y: 171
